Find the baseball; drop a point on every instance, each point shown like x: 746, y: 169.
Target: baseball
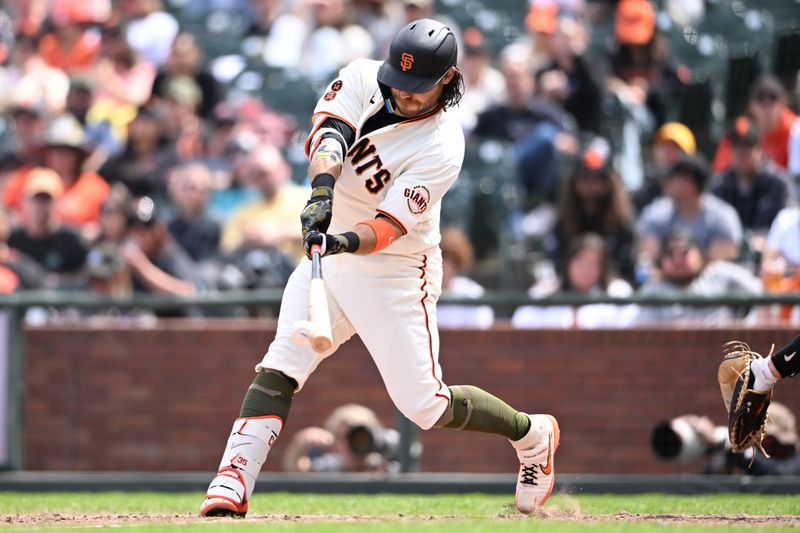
x: 301, y: 332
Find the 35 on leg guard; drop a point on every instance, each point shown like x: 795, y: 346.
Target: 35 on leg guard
x: 474, y: 409
x: 245, y: 453
x: 263, y: 413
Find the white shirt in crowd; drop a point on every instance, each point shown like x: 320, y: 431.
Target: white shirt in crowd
x: 590, y: 316
x: 784, y: 234
x: 152, y: 36
x: 464, y: 316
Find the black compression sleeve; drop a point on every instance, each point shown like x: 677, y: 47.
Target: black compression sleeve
x: 787, y: 360
x: 348, y: 133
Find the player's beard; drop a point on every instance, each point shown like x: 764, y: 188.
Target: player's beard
x: 411, y: 107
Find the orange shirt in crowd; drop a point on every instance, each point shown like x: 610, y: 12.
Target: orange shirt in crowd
x: 81, y: 56
x: 9, y: 281
x: 79, y: 205
x: 775, y: 144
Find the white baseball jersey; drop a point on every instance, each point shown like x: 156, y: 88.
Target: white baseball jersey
x: 401, y: 170
x: 388, y: 298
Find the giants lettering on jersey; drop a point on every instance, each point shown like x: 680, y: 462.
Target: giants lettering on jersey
x: 418, y: 198
x: 363, y: 157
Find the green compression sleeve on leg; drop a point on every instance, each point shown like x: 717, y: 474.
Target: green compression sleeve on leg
x: 474, y: 409
x: 269, y: 394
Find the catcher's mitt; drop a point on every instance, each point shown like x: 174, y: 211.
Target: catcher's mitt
x: 747, y: 409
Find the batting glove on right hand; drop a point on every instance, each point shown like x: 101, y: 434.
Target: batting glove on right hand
x: 331, y: 244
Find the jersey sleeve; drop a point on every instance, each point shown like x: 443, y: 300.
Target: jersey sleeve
x: 415, y: 194
x: 343, y: 99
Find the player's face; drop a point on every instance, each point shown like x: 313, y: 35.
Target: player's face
x: 416, y: 104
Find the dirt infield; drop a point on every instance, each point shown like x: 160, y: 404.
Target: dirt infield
x: 107, y: 520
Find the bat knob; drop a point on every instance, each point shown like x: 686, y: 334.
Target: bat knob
x: 321, y: 344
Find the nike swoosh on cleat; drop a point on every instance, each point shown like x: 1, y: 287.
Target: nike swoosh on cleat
x: 788, y: 357
x: 548, y: 468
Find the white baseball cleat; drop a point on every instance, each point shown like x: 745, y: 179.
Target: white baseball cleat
x: 536, y: 472
x: 247, y: 448
x: 226, y: 495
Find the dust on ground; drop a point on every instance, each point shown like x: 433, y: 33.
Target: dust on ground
x: 568, y: 514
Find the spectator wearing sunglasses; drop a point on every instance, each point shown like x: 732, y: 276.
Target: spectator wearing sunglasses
x: 768, y: 107
x: 686, y: 271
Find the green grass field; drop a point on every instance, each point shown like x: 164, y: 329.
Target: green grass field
x: 383, y: 513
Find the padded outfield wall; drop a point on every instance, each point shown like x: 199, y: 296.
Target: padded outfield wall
x: 163, y: 396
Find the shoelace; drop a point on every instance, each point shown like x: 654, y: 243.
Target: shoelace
x: 529, y: 475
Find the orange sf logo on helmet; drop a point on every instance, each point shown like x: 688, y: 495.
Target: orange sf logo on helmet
x: 406, y: 61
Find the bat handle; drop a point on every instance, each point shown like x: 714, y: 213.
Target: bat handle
x: 316, y: 263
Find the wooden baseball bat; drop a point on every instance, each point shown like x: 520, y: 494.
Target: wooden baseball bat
x: 321, y: 337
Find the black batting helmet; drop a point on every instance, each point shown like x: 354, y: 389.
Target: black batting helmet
x: 420, y: 55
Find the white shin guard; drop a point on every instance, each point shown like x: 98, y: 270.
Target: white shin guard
x: 245, y: 453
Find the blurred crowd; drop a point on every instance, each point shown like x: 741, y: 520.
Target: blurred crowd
x: 130, y: 162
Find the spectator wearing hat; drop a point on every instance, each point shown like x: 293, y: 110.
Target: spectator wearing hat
x: 755, y: 187
x: 189, y: 188
x: 685, y: 271
x: 567, y: 77
x: 157, y: 263
x: 770, y: 112
x: 643, y: 83
x: 58, y: 249
x: 457, y: 258
x: 63, y: 151
x: 142, y: 164
x: 594, y: 200
x: 671, y: 142
x: 712, y: 223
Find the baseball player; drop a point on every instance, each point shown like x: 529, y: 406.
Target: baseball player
x: 383, y: 151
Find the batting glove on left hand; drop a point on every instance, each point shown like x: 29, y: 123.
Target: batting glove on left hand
x: 331, y: 244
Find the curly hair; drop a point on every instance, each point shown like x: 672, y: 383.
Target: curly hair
x: 452, y: 91
x: 616, y: 208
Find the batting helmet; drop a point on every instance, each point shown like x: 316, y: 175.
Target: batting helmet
x: 420, y: 55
